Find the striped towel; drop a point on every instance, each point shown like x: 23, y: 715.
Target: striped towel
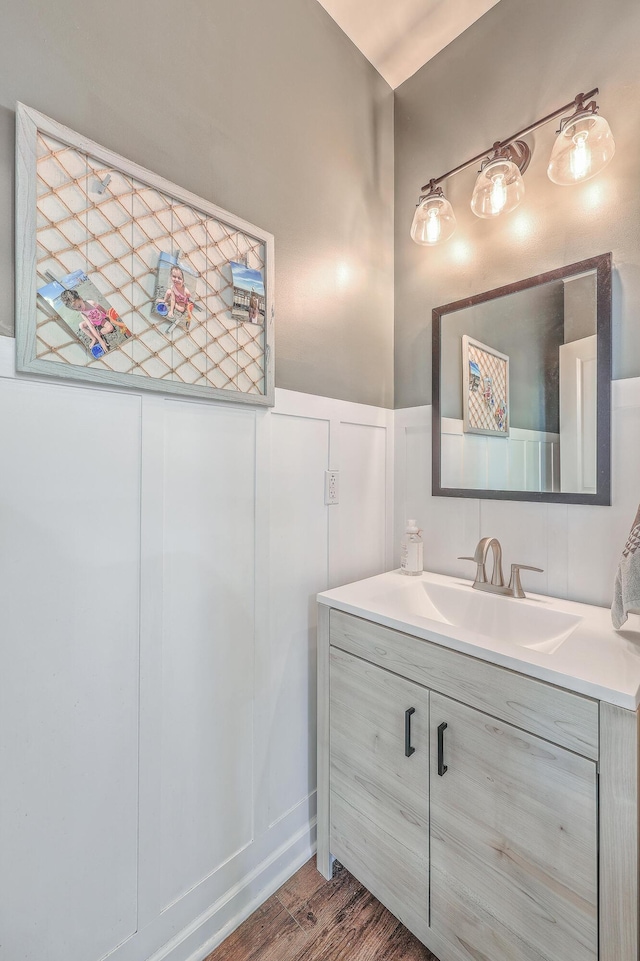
x: 626, y: 590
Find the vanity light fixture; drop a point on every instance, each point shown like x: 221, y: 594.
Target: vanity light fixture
x: 584, y: 145
x: 500, y: 187
x: 583, y: 148
x: 434, y: 220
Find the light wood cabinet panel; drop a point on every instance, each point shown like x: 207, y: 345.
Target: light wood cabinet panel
x: 619, y: 816
x: 550, y: 712
x: 324, y: 858
x: 513, y: 842
x: 379, y: 796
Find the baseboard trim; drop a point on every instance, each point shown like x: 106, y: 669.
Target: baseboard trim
x: 206, y: 932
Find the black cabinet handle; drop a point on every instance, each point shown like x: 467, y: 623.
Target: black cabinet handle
x: 408, y: 750
x: 442, y: 767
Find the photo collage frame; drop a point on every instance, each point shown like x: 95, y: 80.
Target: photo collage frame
x: 485, y: 380
x: 131, y: 280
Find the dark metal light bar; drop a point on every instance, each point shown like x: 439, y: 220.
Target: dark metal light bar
x: 578, y: 101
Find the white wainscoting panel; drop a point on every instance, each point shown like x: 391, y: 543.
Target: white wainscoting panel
x: 517, y: 466
x: 364, y: 490
x: 578, y: 546
x: 557, y: 568
x: 207, y: 642
x: 298, y: 569
x: 474, y: 456
x: 525, y: 460
x: 451, y: 453
x: 69, y: 576
x: 159, y: 561
x: 497, y: 462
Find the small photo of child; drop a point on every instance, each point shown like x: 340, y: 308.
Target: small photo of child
x: 96, y: 323
x: 474, y: 375
x: 174, y: 293
x: 248, y: 294
x: 79, y: 303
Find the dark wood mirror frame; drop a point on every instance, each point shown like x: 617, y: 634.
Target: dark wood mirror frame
x: 602, y: 267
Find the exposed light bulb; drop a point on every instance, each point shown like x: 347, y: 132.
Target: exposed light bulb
x: 580, y: 160
x: 433, y: 226
x: 498, y: 194
x: 583, y: 147
x: 434, y: 220
x: 499, y: 188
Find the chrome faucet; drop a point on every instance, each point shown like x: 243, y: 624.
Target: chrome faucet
x: 496, y: 584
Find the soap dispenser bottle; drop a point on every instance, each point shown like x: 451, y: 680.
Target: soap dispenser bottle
x: 411, y: 556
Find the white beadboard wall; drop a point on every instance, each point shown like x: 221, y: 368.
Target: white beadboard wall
x: 526, y: 460
x: 159, y: 561
x: 578, y: 547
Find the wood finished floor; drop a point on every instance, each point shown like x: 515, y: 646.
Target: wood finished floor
x: 310, y: 919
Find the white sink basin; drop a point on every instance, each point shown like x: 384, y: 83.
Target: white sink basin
x: 532, y: 622
x: 525, y: 622
x: 556, y: 640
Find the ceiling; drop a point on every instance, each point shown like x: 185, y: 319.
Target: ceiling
x: 399, y: 36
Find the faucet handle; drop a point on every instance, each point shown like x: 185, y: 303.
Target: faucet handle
x: 515, y: 584
x: 481, y: 571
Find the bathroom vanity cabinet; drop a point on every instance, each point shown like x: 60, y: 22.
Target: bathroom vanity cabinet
x: 380, y: 784
x: 513, y: 832
x: 493, y: 813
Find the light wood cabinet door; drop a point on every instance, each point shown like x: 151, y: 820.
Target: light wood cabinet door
x: 379, y: 777
x: 513, y: 841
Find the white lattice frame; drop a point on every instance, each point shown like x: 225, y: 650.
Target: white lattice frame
x: 30, y: 125
x: 501, y: 362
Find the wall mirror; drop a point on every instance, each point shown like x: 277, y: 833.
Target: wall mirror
x: 522, y: 389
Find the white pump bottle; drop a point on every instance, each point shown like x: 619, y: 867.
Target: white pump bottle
x: 411, y: 550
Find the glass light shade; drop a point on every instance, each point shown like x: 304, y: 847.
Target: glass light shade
x: 433, y: 221
x: 499, y: 189
x: 582, y: 149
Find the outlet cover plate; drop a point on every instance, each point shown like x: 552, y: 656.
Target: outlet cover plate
x: 331, y: 487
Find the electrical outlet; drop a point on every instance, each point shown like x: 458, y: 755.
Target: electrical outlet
x: 331, y: 486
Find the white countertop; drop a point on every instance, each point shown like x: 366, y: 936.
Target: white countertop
x: 592, y: 659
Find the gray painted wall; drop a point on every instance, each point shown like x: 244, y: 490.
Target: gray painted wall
x: 517, y: 63
x: 526, y: 326
x: 580, y: 307
x: 267, y: 110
